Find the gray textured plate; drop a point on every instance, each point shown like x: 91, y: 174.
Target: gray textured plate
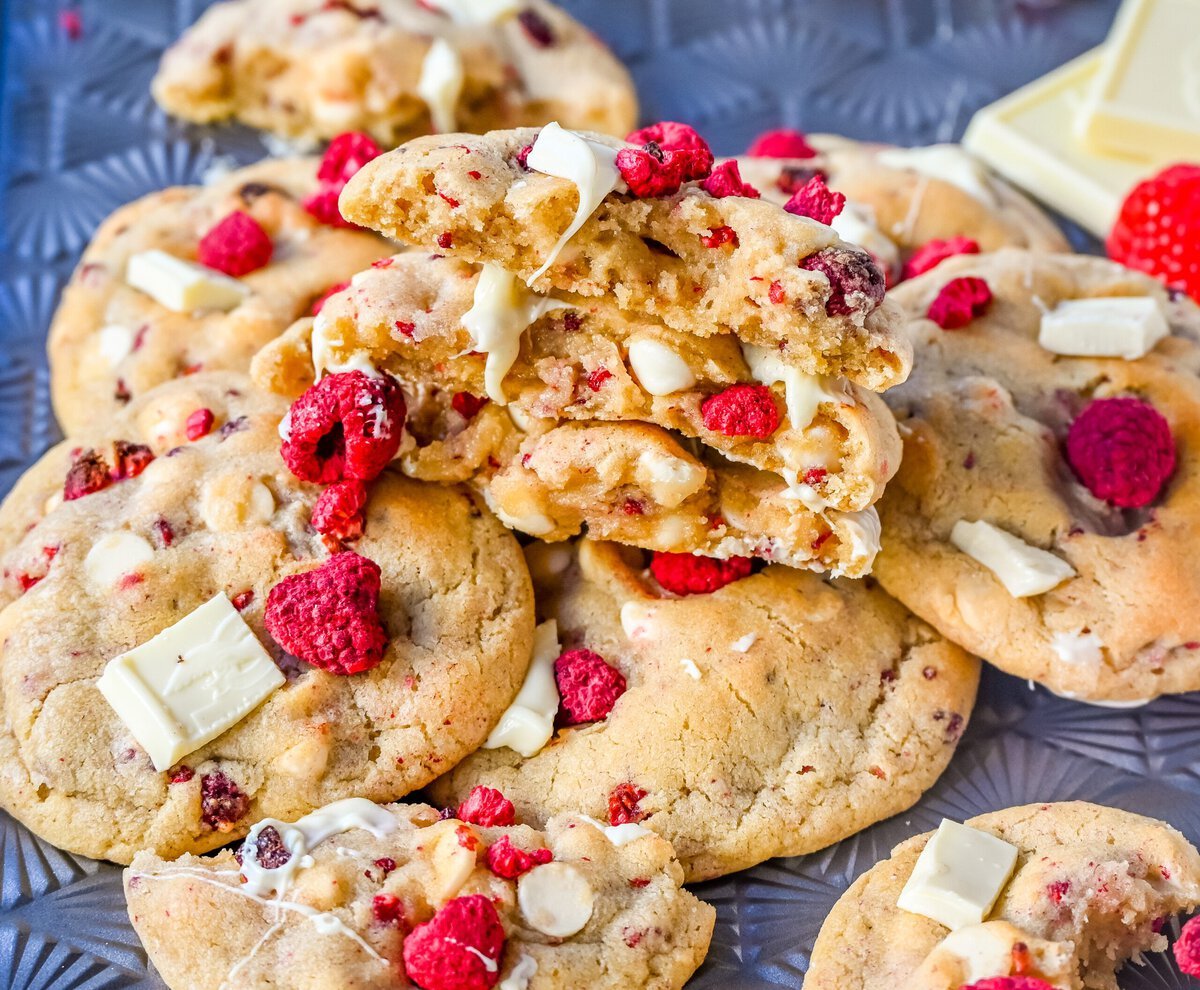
x: 79, y: 136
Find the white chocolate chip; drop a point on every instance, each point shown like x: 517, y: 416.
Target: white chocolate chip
x: 1078, y: 648
x: 115, y: 343
x: 669, y: 480
x: 441, y: 84
x: 803, y: 393
x: 521, y: 974
x: 477, y: 13
x: 659, y: 370
x: 637, y: 620
x: 1024, y: 570
x: 690, y: 668
x: 619, y: 835
x: 113, y: 556
x: 743, y: 645
x: 231, y: 502
x: 453, y: 863
x: 556, y: 899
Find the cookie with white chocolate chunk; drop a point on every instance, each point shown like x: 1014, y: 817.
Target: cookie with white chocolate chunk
x: 363, y: 896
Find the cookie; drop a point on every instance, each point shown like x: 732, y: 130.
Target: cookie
x: 393, y: 68
x: 110, y: 342
x: 740, y: 715
x: 389, y: 892
x: 1092, y: 887
x: 649, y: 231
x: 1071, y: 475
x: 395, y: 662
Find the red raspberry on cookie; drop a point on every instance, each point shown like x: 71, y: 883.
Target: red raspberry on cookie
x: 624, y: 805
x: 199, y: 424
x: 670, y: 155
x: 959, y: 302
x: 459, y: 948
x: 741, y: 411
x: 856, y: 284
x: 781, y: 143
x: 88, y: 473
x: 587, y: 685
x: 1122, y: 450
x: 816, y: 201
x: 339, y: 511
x: 324, y: 297
x: 236, y: 246
x: 1008, y: 983
x: 726, y: 180
x: 347, y: 153
x: 1187, y: 948
x: 507, y: 861
x: 486, y: 807
x: 1156, y: 229
x: 689, y: 574
x: 932, y: 253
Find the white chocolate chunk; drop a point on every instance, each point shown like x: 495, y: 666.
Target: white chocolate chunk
x: 441, y: 84
x: 477, y: 13
x: 946, y: 162
x: 1125, y: 327
x: 690, y: 668
x: 743, y: 645
x: 528, y: 723
x: 856, y: 224
x: 113, y: 556
x: 959, y: 876
x: 521, y: 974
x: 555, y: 899
x: 637, y: 620
x: 804, y: 393
x: 1022, y: 569
x: 452, y: 862
x: 659, y: 370
x: 183, y: 286
x: 115, y: 343
x: 668, y: 480
x: 590, y: 165
x: 502, y: 310
x: 1078, y: 648
x: 863, y: 530
x: 184, y: 687
x: 978, y: 952
x: 619, y: 835
x: 231, y: 502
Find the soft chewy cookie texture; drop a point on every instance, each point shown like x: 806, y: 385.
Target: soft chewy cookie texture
x: 987, y: 420
x: 110, y: 342
x: 1092, y: 887
x: 773, y: 716
x: 93, y: 576
x: 312, y: 69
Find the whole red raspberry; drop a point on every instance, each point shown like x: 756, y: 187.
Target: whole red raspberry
x: 816, y: 201
x: 856, y: 285
x: 623, y: 805
x: 960, y: 301
x: 348, y: 425
x: 459, y: 948
x: 321, y: 300
x: 587, y: 685
x: 741, y: 411
x: 88, y: 473
x: 1122, y: 450
x: 329, y: 616
x: 1008, y: 983
x: 933, y: 253
x: 726, y: 180
x: 339, y: 510
x: 222, y: 803
x: 236, y: 246
x: 486, y: 806
x: 782, y: 143
x: 1187, y: 948
x: 670, y: 155
x: 347, y: 153
x: 199, y: 424
x: 507, y: 861
x: 1156, y: 229
x: 467, y: 405
x: 688, y: 574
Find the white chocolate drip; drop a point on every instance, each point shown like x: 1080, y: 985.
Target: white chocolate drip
x: 528, y: 723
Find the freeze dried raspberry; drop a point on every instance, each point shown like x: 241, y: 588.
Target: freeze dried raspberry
x: 222, y: 804
x: 719, y: 237
x: 388, y: 909
x: 597, y: 377
x: 329, y: 616
x: 1187, y: 948
x: 323, y: 204
x: 1122, y: 450
x: 347, y: 153
x: 587, y: 685
x: 1008, y: 983
x: 243, y: 599
x: 486, y: 806
x: 816, y: 201
x: 856, y: 283
x: 507, y: 861
x: 182, y: 775
x: 131, y: 459
x: 726, y: 180
x: 199, y: 424
x: 623, y: 808
x: 269, y: 851
x: 467, y: 405
x: 536, y: 28
x: 339, y: 510
x: 782, y: 143
x: 459, y: 948
x: 959, y: 302
x: 347, y: 425
x: 322, y: 299
x: 688, y: 574
x: 670, y: 155
x: 236, y: 246
x: 88, y: 473
x: 741, y: 411
x: 1156, y: 230
x: 933, y: 253
x: 1057, y: 890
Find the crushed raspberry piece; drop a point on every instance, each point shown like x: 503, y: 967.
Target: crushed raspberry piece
x: 236, y: 246
x: 597, y: 377
x: 670, y: 155
x: 385, y: 864
x: 182, y: 774
x: 346, y: 154
x: 741, y: 411
x: 776, y: 292
x: 1122, y: 450
x: 333, y: 290
x: 222, y: 803
x: 792, y: 178
x: 816, y: 201
x: 933, y: 253
x: 388, y: 909
x: 507, y: 861
x: 587, y: 685
x: 633, y: 507
x: 459, y: 948
x: 269, y: 851
x: 486, y: 806
x: 719, y: 237
x: 329, y: 616
x: 1056, y: 890
x: 445, y: 240
x: 1187, y: 948
x: 467, y: 405
x: 726, y: 180
x: 1156, y: 230
x: 814, y: 476
x: 121, y: 393
x: 536, y: 28
x: 688, y: 574
x: 406, y: 329
x: 856, y: 283
x: 71, y: 22
x: 347, y: 425
x: 782, y: 143
x: 1008, y: 983
x: 88, y: 473
x: 339, y: 510
x: 623, y: 806
x: 166, y: 533
x: 199, y: 424
x: 323, y: 204
x: 450, y: 200
x: 523, y: 157
x: 959, y: 302
x: 131, y: 459
x: 243, y: 599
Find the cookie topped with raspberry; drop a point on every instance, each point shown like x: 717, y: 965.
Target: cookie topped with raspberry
x: 251, y: 233
x: 321, y: 657
x: 395, y: 69
x: 1092, y: 888
x: 1045, y: 512
x: 700, y: 699
x: 381, y: 894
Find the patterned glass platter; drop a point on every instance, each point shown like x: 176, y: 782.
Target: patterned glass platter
x: 79, y: 136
